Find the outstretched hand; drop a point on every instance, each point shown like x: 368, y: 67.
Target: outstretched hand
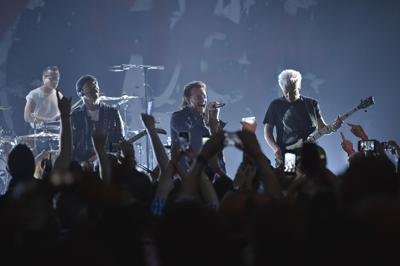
x: 347, y: 145
x: 250, y: 143
x: 358, y: 131
x: 64, y: 104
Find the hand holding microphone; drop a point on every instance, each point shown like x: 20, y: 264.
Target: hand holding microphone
x: 213, y: 108
x: 212, y: 111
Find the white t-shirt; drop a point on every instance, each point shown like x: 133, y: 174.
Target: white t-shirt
x: 45, y: 103
x: 94, y: 115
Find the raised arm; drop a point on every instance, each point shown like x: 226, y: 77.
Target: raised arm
x: 64, y: 158
x: 191, y: 182
x: 165, y: 183
x: 268, y: 176
x: 158, y: 147
x: 28, y: 112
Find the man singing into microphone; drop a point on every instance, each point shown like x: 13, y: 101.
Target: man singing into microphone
x: 197, y: 116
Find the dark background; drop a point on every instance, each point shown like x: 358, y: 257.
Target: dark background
x: 345, y: 49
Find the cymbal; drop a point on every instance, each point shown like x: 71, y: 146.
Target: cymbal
x: 5, y: 108
x: 121, y: 98
x: 41, y: 135
x: 10, y: 140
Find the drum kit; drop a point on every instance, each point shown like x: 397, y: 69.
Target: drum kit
x: 6, y: 144
x: 46, y: 136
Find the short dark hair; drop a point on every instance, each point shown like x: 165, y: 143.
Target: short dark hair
x: 50, y: 68
x: 187, y: 91
x: 82, y: 81
x: 21, y: 162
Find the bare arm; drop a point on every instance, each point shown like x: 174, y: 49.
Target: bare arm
x: 191, y: 182
x: 207, y: 191
x: 269, y: 137
x: 165, y: 182
x: 28, y: 112
x: 64, y: 158
x: 268, y: 176
x: 158, y: 147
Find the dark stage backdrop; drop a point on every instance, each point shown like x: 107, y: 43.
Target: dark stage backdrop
x: 345, y: 49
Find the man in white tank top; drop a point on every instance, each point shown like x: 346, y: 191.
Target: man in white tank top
x: 41, y: 103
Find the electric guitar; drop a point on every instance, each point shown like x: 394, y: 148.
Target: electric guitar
x: 367, y: 102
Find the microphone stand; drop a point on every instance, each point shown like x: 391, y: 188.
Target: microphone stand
x: 147, y: 94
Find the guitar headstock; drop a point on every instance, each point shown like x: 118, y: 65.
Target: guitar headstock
x: 367, y: 102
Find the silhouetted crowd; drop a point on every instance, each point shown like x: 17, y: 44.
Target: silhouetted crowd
x: 73, y: 213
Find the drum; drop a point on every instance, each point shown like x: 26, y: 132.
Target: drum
x: 6, y: 145
x: 39, y: 142
x: 4, y: 177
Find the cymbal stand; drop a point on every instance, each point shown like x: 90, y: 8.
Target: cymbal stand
x: 147, y: 94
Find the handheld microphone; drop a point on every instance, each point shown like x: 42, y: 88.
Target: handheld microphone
x: 220, y: 105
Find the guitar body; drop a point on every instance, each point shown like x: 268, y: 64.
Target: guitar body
x: 326, y: 130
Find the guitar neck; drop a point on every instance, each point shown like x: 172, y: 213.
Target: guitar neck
x: 313, y: 137
x: 346, y: 115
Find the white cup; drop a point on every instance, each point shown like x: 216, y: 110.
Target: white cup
x: 249, y: 119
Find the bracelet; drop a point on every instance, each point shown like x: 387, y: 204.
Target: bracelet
x: 201, y: 159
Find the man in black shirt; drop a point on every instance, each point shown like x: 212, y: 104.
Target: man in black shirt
x: 294, y: 116
x: 93, y: 114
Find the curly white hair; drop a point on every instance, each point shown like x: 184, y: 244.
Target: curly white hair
x: 289, y: 76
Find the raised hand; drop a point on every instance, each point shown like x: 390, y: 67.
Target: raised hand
x: 249, y: 126
x: 213, y: 145
x: 212, y: 111
x: 358, y: 131
x: 347, y: 145
x: 148, y: 120
x: 64, y: 104
x: 250, y: 143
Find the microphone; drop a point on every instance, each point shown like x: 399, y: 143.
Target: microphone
x: 220, y: 105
